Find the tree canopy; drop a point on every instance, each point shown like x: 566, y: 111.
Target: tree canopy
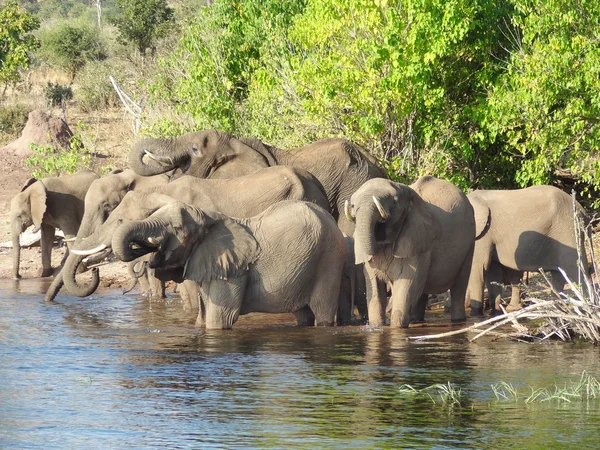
x: 15, y: 41
x: 484, y: 94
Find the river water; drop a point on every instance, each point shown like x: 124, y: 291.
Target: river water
x: 115, y: 371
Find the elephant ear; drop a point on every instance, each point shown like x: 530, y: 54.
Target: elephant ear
x: 418, y: 231
x: 224, y: 252
x: 482, y: 215
x: 37, y: 201
x: 27, y: 184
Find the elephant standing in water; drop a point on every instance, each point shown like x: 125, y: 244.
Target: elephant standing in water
x: 54, y: 202
x: 340, y: 166
x: 241, y: 197
x: 103, y: 196
x: 287, y: 259
x: 419, y: 238
x: 523, y: 230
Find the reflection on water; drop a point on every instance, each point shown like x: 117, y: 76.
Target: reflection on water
x: 115, y: 371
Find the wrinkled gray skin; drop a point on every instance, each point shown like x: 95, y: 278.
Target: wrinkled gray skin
x: 340, y: 166
x: 288, y: 259
x: 523, y: 230
x: 54, y: 202
x: 418, y: 238
x: 241, y: 197
x: 103, y: 196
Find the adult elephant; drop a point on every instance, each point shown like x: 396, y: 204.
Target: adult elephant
x: 288, y: 259
x: 241, y: 197
x: 103, y: 196
x: 524, y: 230
x: 50, y: 203
x: 419, y: 238
x: 341, y: 166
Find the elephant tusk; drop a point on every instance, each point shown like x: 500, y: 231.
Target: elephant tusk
x: 348, y: 212
x: 160, y: 159
x: 69, y: 239
x: 153, y: 241
x: 384, y: 214
x: 89, y: 252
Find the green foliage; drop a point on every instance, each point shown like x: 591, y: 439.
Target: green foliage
x: 485, y: 94
x: 209, y: 73
x: 57, y: 94
x: 13, y: 119
x: 94, y: 89
x: 142, y: 22
x: 71, y: 46
x: 48, y: 161
x: 15, y: 41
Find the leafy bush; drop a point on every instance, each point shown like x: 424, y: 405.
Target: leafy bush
x: 57, y: 94
x: 48, y: 161
x: 70, y: 47
x: 94, y: 90
x: 13, y: 119
x: 15, y: 41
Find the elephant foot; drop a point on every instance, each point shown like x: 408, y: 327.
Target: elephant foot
x: 16, y: 277
x: 511, y: 308
x: 325, y: 324
x: 47, y: 272
x: 476, y: 309
x: 495, y: 312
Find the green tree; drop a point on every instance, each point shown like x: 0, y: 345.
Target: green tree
x: 70, y: 47
x: 142, y: 22
x: 15, y: 42
x: 545, y: 109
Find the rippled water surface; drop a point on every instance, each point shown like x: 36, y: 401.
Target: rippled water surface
x: 115, y: 371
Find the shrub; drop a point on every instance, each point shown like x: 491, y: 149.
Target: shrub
x: 48, y: 161
x: 13, y: 119
x: 94, y: 90
x: 57, y: 94
x: 70, y: 47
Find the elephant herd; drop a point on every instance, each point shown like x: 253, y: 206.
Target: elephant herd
x: 245, y: 227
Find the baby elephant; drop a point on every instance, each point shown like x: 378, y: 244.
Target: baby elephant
x: 419, y: 238
x: 288, y: 259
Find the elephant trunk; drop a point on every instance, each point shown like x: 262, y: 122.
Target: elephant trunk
x: 365, y: 245
x: 16, y: 251
x: 69, y: 273
x: 155, y: 156
x: 138, y: 233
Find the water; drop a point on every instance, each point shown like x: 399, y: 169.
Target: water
x: 115, y: 371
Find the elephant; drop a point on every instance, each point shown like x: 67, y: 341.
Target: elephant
x: 419, y: 239
x: 287, y: 259
x: 339, y: 165
x: 103, y: 196
x: 524, y: 230
x: 241, y: 197
x: 353, y: 289
x: 50, y: 203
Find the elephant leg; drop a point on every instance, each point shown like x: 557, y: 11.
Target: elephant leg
x: 376, y: 297
x: 346, y: 301
x: 514, y: 278
x: 188, y: 290
x: 458, y: 291
x: 157, y: 287
x: 417, y: 313
x: 360, y: 293
x: 474, y: 297
x: 493, y: 283
x: 408, y: 288
x: 305, y: 317
x: 224, y: 302
x: 557, y: 280
x: 46, y: 244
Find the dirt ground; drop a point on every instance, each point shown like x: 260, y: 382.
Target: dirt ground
x: 109, y: 138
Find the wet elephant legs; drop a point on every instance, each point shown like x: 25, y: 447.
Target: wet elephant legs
x: 46, y: 243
